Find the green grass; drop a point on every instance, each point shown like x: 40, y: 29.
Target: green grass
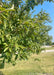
x: 49, y: 48
x: 35, y: 65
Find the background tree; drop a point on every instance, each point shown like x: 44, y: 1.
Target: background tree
x: 21, y: 35
x: 52, y: 43
x: 49, y: 40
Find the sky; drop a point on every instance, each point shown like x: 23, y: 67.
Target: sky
x: 49, y: 8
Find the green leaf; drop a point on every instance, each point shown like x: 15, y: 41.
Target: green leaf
x: 5, y: 44
x: 6, y: 49
x: 10, y: 49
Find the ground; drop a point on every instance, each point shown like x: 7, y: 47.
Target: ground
x: 42, y: 64
x: 50, y: 48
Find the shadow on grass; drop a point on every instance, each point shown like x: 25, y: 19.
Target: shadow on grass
x: 1, y: 64
x: 1, y: 73
x: 37, y: 59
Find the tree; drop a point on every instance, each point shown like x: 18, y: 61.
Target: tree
x: 49, y: 40
x: 52, y: 43
x: 21, y: 35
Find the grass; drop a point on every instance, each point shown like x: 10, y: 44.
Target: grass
x: 49, y: 48
x: 42, y: 64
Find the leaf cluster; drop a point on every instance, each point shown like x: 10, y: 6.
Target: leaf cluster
x: 21, y: 35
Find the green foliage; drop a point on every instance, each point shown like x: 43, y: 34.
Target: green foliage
x: 52, y: 43
x: 20, y: 34
x: 49, y: 40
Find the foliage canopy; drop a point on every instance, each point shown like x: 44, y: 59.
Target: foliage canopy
x: 20, y: 34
